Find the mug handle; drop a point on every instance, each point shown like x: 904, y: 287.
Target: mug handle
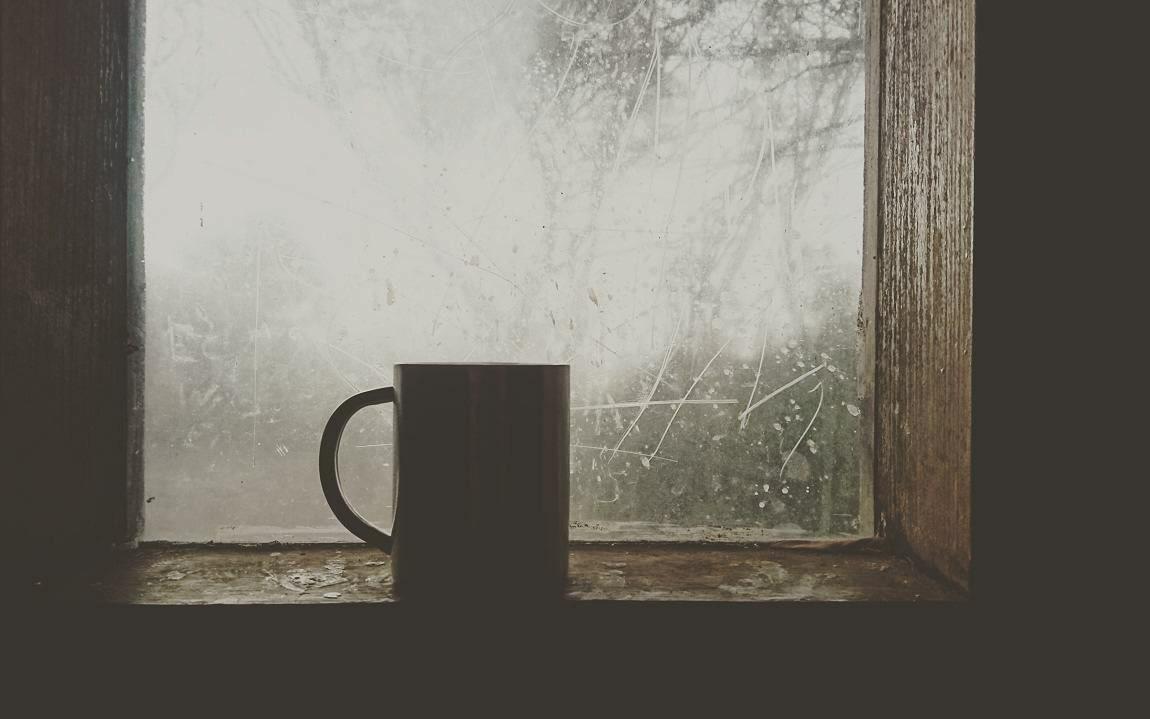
x: 329, y: 461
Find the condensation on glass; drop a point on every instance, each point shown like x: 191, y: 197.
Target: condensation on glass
x: 666, y: 195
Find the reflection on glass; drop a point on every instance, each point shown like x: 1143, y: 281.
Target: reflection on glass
x: 666, y: 195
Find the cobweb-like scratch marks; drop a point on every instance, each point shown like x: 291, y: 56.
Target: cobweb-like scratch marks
x: 768, y: 135
x: 623, y: 451
x: 339, y: 373
x: 352, y: 357
x: 788, y: 385
x: 758, y: 373
x: 604, y: 346
x: 774, y: 165
x: 477, y: 32
x: 746, y: 199
x: 640, y: 403
x: 688, y: 394
x: 575, y: 42
x: 613, y: 478
x: 665, y: 239
x: 819, y: 387
x: 487, y: 72
x: 632, y: 120
x: 486, y: 256
x: 573, y: 21
x: 654, y: 388
x: 581, y: 353
x: 292, y: 275
x: 421, y: 68
x: 659, y: 90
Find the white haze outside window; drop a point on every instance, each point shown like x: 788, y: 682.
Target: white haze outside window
x: 666, y: 195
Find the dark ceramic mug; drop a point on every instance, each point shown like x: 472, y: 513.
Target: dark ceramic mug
x: 481, y: 479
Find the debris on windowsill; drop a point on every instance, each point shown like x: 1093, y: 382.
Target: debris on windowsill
x: 231, y: 574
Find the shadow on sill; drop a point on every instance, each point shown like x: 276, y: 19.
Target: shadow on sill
x: 783, y: 571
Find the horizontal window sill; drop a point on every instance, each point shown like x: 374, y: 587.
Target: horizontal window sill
x: 799, y: 571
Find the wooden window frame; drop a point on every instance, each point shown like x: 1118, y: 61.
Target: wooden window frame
x: 72, y: 278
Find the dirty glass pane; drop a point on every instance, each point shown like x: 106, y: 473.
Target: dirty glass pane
x: 667, y: 195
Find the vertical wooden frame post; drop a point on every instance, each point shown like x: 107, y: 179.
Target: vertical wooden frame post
x: 64, y: 280
x: 925, y: 241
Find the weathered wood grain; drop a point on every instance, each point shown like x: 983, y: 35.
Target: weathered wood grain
x: 924, y: 270
x: 302, y: 574
x: 64, y: 116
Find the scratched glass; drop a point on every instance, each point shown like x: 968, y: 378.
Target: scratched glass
x: 666, y: 195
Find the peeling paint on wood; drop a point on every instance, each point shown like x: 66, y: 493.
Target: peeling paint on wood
x: 303, y: 574
x: 924, y: 302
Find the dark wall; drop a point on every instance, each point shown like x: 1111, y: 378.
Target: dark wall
x: 64, y: 221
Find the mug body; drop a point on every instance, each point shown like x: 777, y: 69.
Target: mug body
x: 481, y: 479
